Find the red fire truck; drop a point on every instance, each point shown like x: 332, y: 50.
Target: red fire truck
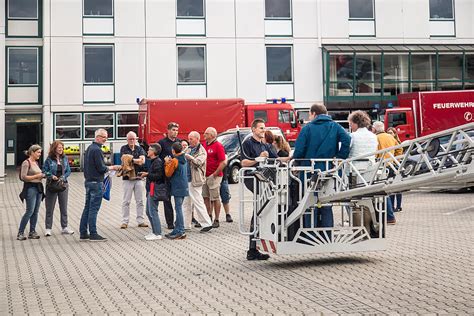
x: 423, y: 113
x: 222, y: 114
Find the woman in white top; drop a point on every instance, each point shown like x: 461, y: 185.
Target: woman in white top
x: 363, y: 141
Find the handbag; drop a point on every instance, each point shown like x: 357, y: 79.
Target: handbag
x: 55, y: 186
x: 160, y: 191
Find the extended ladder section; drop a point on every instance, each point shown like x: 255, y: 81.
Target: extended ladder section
x: 290, y: 203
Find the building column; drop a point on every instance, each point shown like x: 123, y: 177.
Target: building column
x: 2, y: 141
x: 2, y: 92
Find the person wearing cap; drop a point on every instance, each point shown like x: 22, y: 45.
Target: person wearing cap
x: 156, y: 174
x: 166, y: 143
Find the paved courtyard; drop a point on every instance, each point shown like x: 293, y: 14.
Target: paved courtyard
x: 427, y: 269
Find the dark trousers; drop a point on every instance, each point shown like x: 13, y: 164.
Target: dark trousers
x: 252, y: 242
x: 169, y: 213
x: 50, y: 202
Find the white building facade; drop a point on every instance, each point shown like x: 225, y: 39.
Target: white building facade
x: 71, y: 66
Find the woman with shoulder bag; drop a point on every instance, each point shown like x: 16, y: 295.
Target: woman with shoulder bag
x: 155, y: 180
x: 57, y: 169
x: 33, y: 191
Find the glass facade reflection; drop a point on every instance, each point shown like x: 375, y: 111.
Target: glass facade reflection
x: 361, y: 77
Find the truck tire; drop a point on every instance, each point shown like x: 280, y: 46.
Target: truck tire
x: 234, y: 174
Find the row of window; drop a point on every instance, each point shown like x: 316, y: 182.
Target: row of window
x: 99, y: 64
x: 28, y: 9
x: 388, y: 74
x: 365, y: 9
x: 81, y: 126
x: 274, y: 9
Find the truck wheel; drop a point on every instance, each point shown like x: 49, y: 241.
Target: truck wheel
x: 234, y: 174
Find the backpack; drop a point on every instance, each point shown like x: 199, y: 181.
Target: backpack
x: 19, y: 173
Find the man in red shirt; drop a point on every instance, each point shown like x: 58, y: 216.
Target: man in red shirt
x: 215, y: 165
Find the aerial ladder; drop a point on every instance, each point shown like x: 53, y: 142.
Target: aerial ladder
x: 285, y: 196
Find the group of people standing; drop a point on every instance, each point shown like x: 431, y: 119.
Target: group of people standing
x: 189, y: 171
x: 192, y: 173
x: 323, y: 138
x: 55, y: 168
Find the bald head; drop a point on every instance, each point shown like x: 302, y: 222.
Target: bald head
x: 210, y: 134
x: 194, y: 138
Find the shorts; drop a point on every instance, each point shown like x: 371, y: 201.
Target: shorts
x: 210, y: 188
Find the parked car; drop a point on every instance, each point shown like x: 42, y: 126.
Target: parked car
x: 231, y: 144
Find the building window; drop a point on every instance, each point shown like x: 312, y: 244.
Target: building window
x: 191, y: 64
x: 395, y: 74
x: 103, y: 8
x: 126, y: 122
x: 23, y: 9
x: 449, y: 67
x: 469, y: 70
x: 68, y: 126
x: 190, y: 8
x: 99, y: 64
x: 22, y: 66
x: 423, y: 72
x: 441, y: 10
x: 279, y: 64
x: 361, y: 9
x: 368, y: 74
x: 94, y: 121
x: 278, y: 9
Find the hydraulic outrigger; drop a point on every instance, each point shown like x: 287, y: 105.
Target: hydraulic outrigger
x: 286, y: 195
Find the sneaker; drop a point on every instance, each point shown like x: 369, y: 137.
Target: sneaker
x: 391, y: 221
x: 176, y: 236
x: 187, y: 229
x: 97, y: 238
x: 123, y: 226
x: 206, y: 229
x: 398, y: 209
x: 143, y: 225
x: 170, y: 226
x: 215, y: 224
x: 47, y: 232
x: 84, y: 237
x: 256, y: 255
x: 198, y: 225
x: 67, y: 231
x: 194, y: 221
x: 153, y: 237
x: 228, y: 218
x: 21, y: 236
x: 33, y: 235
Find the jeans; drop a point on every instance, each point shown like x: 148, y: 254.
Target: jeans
x: 178, y: 207
x: 152, y: 213
x: 91, y: 209
x: 50, y: 202
x: 398, y: 198
x: 323, y: 217
x: 390, y: 214
x: 224, y: 191
x: 33, y: 201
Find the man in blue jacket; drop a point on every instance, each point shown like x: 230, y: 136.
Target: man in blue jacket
x: 322, y: 138
x: 94, y: 170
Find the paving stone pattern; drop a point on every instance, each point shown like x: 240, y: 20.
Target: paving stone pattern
x: 427, y: 269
